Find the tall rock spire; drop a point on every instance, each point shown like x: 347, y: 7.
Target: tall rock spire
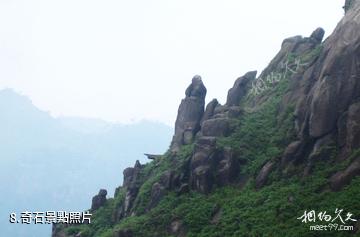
x: 190, y: 113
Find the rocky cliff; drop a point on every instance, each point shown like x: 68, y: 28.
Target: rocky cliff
x: 284, y: 142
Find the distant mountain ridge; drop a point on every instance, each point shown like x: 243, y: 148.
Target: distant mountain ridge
x: 46, y: 163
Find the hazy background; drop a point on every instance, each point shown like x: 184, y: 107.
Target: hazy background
x: 87, y: 77
x: 50, y: 164
x: 129, y: 60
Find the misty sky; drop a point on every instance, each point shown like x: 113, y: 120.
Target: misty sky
x: 130, y: 60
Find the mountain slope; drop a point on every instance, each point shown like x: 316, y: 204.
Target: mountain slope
x: 285, y: 143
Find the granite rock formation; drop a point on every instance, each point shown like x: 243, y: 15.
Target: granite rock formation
x: 321, y: 101
x: 190, y: 113
x: 99, y: 200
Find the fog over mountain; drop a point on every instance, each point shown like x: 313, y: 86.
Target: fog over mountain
x: 49, y: 163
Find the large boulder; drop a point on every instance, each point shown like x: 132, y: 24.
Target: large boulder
x: 212, y: 166
x: 131, y: 175
x: 131, y: 184
x: 318, y: 35
x: 227, y: 168
x: 216, y: 127
x: 202, y: 163
x: 291, y: 153
x: 322, y: 148
x: 342, y: 178
x: 157, y: 192
x: 263, y: 175
x: 190, y: 112
x: 240, y: 88
x: 210, y: 110
x: 99, y: 200
x: 202, y: 179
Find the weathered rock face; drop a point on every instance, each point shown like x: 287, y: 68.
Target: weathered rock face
x: 131, y: 175
x: 157, y: 192
x: 334, y: 79
x: 210, y: 110
x: 216, y: 127
x: 318, y: 35
x: 227, y: 169
x: 342, y: 178
x: 240, y: 88
x: 193, y: 122
x: 99, y: 200
x: 292, y: 153
x: 262, y: 177
x: 131, y: 185
x: 326, y: 93
x: 327, y: 98
x: 348, y: 4
x: 130, y: 197
x: 353, y: 128
x: 190, y: 112
x: 320, y: 148
x: 202, y: 163
x: 210, y: 166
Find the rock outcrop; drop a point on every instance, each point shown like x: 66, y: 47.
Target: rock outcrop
x: 99, y: 200
x: 262, y: 177
x: 210, y: 110
x: 131, y: 185
x: 190, y: 112
x: 328, y: 93
x: 240, y: 89
x: 348, y: 4
x: 210, y: 166
x: 342, y: 178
